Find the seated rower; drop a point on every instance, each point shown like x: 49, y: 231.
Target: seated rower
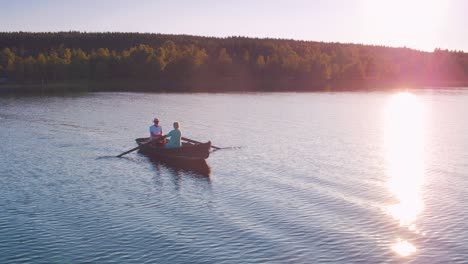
x: 175, y: 136
x: 156, y: 133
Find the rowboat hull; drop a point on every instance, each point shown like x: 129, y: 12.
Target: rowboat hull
x: 188, y: 152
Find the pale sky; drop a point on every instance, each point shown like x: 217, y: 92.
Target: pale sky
x: 418, y: 24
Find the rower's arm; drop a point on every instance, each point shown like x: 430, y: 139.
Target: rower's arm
x: 169, y: 134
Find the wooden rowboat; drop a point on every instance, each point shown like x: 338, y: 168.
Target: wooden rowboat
x: 188, y: 151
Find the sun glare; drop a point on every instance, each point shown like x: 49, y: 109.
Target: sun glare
x: 399, y: 22
x: 404, y: 145
x: 403, y: 248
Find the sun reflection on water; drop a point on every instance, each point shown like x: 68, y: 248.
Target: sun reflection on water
x: 404, y: 146
x: 403, y: 248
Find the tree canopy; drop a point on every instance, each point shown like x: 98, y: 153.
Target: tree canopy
x: 33, y: 57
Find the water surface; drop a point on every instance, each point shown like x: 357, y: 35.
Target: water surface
x: 321, y: 177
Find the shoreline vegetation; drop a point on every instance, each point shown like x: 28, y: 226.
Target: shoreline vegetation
x: 141, y: 62
x: 228, y: 86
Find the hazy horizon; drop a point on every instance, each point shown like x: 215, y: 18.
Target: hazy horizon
x: 420, y: 25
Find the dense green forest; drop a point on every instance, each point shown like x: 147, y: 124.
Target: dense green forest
x: 168, y: 61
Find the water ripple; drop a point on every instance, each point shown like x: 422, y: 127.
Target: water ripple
x: 316, y: 198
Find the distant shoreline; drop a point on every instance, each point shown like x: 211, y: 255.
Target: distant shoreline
x: 74, y: 61
x: 216, y: 86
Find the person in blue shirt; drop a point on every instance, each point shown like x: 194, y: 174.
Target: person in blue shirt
x: 175, y: 135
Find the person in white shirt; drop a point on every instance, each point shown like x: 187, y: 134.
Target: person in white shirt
x: 155, y: 130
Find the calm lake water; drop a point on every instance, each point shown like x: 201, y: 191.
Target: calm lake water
x: 365, y: 177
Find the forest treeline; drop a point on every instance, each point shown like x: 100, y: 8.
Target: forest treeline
x: 68, y: 56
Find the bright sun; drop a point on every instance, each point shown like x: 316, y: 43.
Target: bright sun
x: 400, y: 22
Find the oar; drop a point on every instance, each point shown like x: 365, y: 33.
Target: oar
x: 197, y: 142
x: 133, y: 149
